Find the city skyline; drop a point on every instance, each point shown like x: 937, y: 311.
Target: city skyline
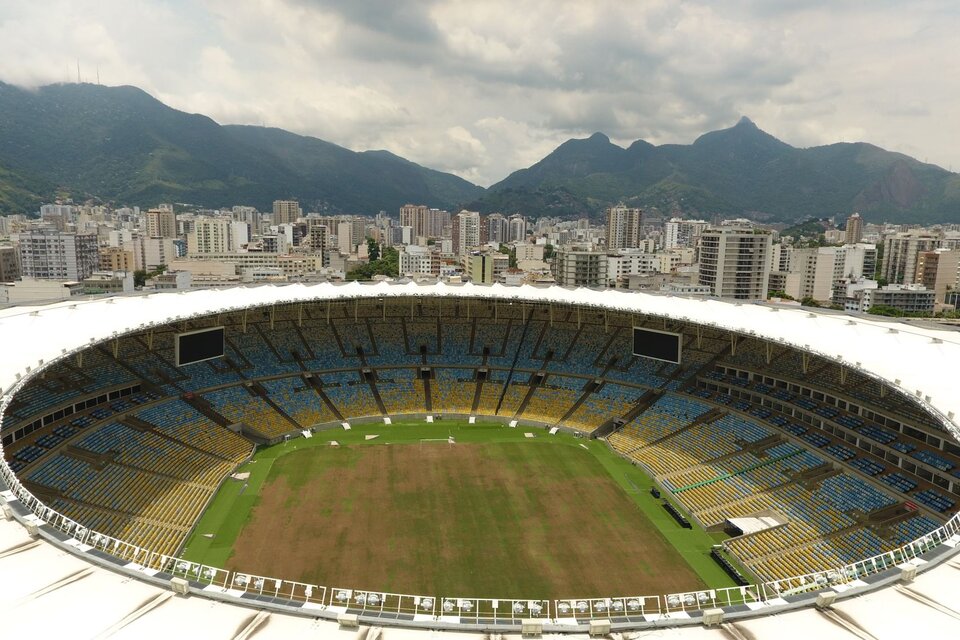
x: 457, y: 88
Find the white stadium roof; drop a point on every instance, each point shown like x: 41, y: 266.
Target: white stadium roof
x: 46, y: 589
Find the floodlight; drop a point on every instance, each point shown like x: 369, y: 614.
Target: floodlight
x: 535, y: 607
x: 448, y: 606
x: 426, y: 603
x: 582, y: 606
x: 633, y: 605
x: 466, y: 605
x: 563, y: 607
x: 343, y: 595
x: 518, y: 607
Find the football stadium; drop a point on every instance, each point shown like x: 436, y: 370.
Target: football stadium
x: 337, y: 459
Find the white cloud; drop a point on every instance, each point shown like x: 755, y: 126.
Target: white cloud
x: 482, y: 89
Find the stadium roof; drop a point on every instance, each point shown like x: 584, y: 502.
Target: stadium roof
x: 47, y: 589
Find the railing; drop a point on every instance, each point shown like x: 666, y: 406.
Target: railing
x: 428, y: 609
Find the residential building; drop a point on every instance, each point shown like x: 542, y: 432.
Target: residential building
x: 939, y: 271
x: 117, y: 259
x: 54, y: 255
x: 623, y: 227
x: 286, y: 211
x: 909, y: 298
x: 854, y: 231
x: 161, y: 223
x: 580, y: 266
x: 466, y: 232
x: 497, y: 228
x: 486, y: 268
x: 735, y: 262
x: 679, y: 233
x: 9, y: 266
x: 210, y: 235
x: 900, y: 252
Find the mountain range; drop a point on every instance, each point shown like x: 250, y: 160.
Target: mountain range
x: 120, y: 145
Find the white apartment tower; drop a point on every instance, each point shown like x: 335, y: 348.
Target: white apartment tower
x: 53, y: 255
x: 735, y: 262
x: 623, y: 227
x: 466, y: 232
x: 210, y: 235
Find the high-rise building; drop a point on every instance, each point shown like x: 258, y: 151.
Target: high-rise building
x: 854, y: 229
x: 623, y: 227
x: 286, y: 211
x: 161, y: 223
x: 497, y: 228
x: 210, y: 235
x: 679, y: 233
x: 466, y: 232
x: 517, y: 228
x: 317, y: 237
x: 9, y: 267
x: 53, y: 255
x: 735, y: 262
x: 426, y: 222
x: 900, y: 252
x: 939, y: 271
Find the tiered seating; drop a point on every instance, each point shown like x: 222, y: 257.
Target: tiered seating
x: 452, y: 390
x: 350, y: 395
x: 422, y: 331
x: 237, y: 405
x: 179, y: 420
x: 490, y: 393
x: 390, y: 346
x: 401, y: 392
x: 548, y: 404
x: 612, y: 401
x: 152, y: 453
x: 299, y: 400
x: 667, y: 415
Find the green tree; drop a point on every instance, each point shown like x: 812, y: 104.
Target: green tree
x: 373, y: 249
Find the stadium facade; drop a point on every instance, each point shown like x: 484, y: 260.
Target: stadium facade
x: 48, y: 558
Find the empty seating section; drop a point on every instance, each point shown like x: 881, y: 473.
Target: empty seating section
x: 549, y: 404
x: 260, y: 355
x: 299, y: 400
x: 238, y: 405
x: 490, y: 392
x: 179, y: 420
x: 452, y: 390
x: 559, y: 339
x: 455, y: 339
x: 350, y: 395
x: 155, y: 454
x: 401, y: 391
x: 669, y: 414
x: 168, y: 506
x: 609, y: 402
x: 287, y: 341
x: 422, y: 332
x: 390, y: 347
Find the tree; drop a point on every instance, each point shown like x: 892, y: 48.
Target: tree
x: 373, y: 249
x: 809, y: 302
x: 783, y: 295
x: 388, y: 265
x: 547, y: 251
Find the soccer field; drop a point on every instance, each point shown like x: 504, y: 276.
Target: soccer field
x: 497, y: 514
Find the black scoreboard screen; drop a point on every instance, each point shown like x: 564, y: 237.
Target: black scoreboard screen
x: 658, y: 345
x: 197, y: 346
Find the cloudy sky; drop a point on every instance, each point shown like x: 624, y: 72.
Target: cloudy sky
x: 481, y: 88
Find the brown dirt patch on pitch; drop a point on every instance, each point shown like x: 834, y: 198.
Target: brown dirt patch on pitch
x: 491, y: 520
